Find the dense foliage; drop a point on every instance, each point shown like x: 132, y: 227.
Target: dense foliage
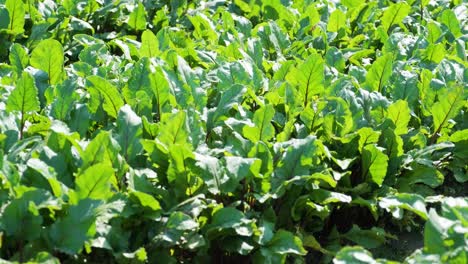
x: 233, y: 131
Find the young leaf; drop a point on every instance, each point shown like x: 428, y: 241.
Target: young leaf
x: 309, y: 77
x: 379, y: 73
x: 24, y: 97
x: 394, y: 15
x: 399, y: 113
x: 48, y: 56
x: 129, y: 130
x: 94, y: 182
x: 137, y: 19
x: 112, y: 98
x: 16, y: 13
x: 149, y: 44
x: 263, y: 129
x: 374, y: 164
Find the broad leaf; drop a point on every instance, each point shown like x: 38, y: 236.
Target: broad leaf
x: 399, y: 113
x: 374, y: 164
x: 24, y: 97
x: 446, y: 109
x: 263, y: 130
x: 336, y: 21
x: 48, y: 56
x: 70, y: 232
x: 137, y: 19
x: 112, y: 98
x: 411, y: 202
x: 379, y: 73
x: 16, y: 12
x: 18, y: 57
x: 149, y: 44
x: 94, y: 182
x: 309, y: 77
x: 129, y: 129
x: 394, y: 15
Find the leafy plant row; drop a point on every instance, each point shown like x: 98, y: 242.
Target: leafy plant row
x: 227, y: 131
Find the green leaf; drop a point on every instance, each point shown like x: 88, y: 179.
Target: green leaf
x: 146, y: 201
x: 161, y: 92
x: 449, y: 19
x: 399, y: 113
x: 238, y: 169
x: 435, y: 52
x: 140, y: 81
x: 181, y: 221
x: 370, y: 238
x: 17, y: 16
x: 18, y: 57
x: 6, y: 18
x: 447, y: 108
x: 48, y: 56
x: 284, y: 242
x: 102, y: 149
x: 297, y: 160
x: 309, y: 77
x: 69, y: 232
x: 174, y: 129
x: 94, y: 182
x: 65, y: 97
x: 149, y: 44
x: 379, y: 73
x: 336, y: 21
x: 24, y: 97
x: 229, y: 221
x: 427, y: 175
x: 112, y: 99
x: 262, y: 130
x: 367, y: 136
x: 21, y: 217
x: 355, y: 255
x: 129, y: 129
x: 411, y: 202
x: 137, y: 19
x: 374, y: 164
x: 394, y: 15
x: 180, y: 172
